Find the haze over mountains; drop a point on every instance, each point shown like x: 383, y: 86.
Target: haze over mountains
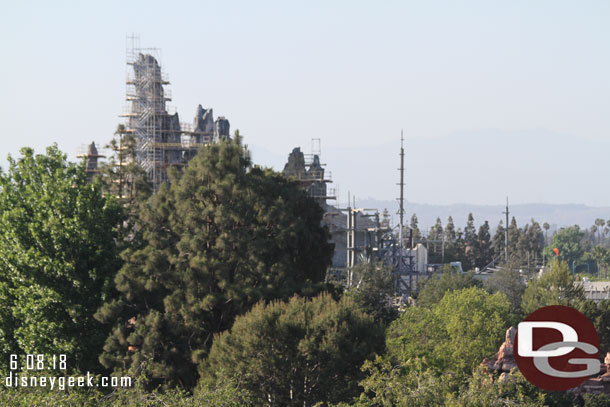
x: 551, y: 177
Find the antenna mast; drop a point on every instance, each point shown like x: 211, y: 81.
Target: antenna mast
x: 401, y: 210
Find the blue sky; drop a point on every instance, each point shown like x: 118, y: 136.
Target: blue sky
x: 495, y: 98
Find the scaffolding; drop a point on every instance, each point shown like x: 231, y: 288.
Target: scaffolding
x: 161, y: 140
x: 310, y: 172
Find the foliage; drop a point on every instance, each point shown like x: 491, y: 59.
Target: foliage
x: 122, y: 177
x: 216, y: 240
x: 296, y: 353
x: 556, y: 286
x: 374, y: 292
x: 499, y: 240
x: 470, y: 239
x: 434, y: 288
x: 508, y: 280
x: 407, y: 384
x: 58, y: 257
x: 228, y: 394
x: 567, y: 241
x: 601, y: 255
x: 455, y: 335
x: 596, y: 400
x: 510, y: 390
x: 599, y: 315
x: 483, y: 253
x: 410, y: 384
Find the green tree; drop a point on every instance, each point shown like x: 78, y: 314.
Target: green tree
x: 567, y: 241
x: 556, y: 286
x: 546, y: 228
x: 601, y: 256
x: 596, y: 400
x: 599, y: 224
x: 409, y: 384
x: 216, y: 240
x: 499, y: 241
x: 455, y: 335
x: 536, y: 242
x: 460, y: 247
x: 527, y: 249
x: 404, y: 384
x: 123, y: 177
x: 450, y: 237
x: 513, y: 238
x: 374, y: 291
x: 508, y: 280
x: 470, y: 239
x: 58, y: 256
x: 599, y: 314
x: 435, y: 244
x: 436, y: 286
x: 512, y: 390
x: 296, y: 353
x: 483, y: 252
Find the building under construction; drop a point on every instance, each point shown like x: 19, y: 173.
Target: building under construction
x: 162, y: 140
x: 358, y: 234
x: 308, y: 170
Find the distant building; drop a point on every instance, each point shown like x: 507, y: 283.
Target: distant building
x: 597, y: 290
x: 310, y: 174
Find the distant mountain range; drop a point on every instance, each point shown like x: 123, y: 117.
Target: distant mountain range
x: 556, y: 215
x: 481, y: 165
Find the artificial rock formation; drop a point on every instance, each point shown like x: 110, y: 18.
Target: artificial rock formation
x: 504, y: 361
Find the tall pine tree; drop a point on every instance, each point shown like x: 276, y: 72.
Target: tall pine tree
x: 499, y: 241
x: 484, y: 253
x: 217, y: 240
x: 470, y: 238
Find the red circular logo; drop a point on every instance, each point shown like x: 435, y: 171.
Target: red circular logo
x: 557, y: 348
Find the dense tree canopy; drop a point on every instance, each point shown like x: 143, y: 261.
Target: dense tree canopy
x: 218, y: 239
x: 567, y: 242
x: 434, y: 288
x: 58, y: 257
x: 297, y: 353
x: 510, y: 281
x: 374, y: 291
x: 556, y: 286
x: 454, y: 335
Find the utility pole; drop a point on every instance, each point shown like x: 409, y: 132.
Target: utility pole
x: 506, y: 251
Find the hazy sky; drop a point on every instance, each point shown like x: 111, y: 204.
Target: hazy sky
x: 495, y: 98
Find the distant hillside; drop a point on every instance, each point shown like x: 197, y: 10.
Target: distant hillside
x: 556, y: 215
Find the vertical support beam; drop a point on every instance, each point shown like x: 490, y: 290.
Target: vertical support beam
x: 350, y: 241
x: 506, y: 250
x: 401, y: 210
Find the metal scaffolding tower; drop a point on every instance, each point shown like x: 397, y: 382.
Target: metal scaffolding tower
x: 161, y: 140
